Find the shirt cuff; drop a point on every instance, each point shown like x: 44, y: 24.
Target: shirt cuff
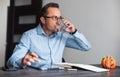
x: 74, y: 31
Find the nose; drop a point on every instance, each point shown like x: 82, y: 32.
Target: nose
x: 58, y: 22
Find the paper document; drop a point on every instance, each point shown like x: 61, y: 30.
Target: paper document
x: 82, y: 66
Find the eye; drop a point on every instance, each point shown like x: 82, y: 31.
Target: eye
x: 55, y: 17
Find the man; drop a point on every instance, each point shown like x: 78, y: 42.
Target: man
x: 43, y: 46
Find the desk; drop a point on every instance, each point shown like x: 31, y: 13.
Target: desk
x: 59, y: 73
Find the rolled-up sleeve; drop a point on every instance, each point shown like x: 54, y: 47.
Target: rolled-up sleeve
x: 78, y: 41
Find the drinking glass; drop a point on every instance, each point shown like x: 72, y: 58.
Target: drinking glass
x: 61, y: 27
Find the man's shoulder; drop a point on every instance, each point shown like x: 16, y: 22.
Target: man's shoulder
x: 31, y: 31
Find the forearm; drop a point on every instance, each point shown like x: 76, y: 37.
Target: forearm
x: 14, y: 63
x: 78, y: 41
x: 16, y: 58
x: 82, y: 41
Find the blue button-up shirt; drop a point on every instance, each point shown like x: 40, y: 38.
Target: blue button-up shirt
x: 48, y: 48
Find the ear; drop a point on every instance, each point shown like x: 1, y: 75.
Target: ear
x: 42, y: 19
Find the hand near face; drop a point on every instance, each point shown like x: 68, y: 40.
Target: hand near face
x: 70, y: 27
x: 30, y: 58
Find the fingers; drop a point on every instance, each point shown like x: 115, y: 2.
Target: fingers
x: 70, y: 26
x: 67, y: 23
x: 36, y: 59
x: 33, y: 54
x: 28, y: 63
x: 30, y: 58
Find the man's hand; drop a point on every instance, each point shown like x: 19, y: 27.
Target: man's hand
x: 70, y: 27
x: 30, y: 58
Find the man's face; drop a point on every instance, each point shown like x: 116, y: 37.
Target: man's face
x: 52, y: 19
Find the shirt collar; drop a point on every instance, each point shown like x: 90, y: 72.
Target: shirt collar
x: 40, y: 30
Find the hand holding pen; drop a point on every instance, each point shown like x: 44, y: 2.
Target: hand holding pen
x: 30, y: 58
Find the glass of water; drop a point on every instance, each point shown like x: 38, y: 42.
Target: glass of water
x: 61, y: 27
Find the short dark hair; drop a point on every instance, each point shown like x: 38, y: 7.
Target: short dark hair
x: 44, y: 9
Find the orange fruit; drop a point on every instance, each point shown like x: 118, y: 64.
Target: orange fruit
x: 108, y: 62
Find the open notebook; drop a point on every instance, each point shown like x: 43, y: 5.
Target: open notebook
x: 82, y: 66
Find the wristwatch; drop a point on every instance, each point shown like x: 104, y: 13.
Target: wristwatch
x: 74, y: 31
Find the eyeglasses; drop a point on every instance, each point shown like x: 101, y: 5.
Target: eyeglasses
x: 54, y: 17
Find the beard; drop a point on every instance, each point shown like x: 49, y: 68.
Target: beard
x: 52, y: 30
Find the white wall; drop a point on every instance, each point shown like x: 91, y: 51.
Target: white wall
x: 3, y: 27
x: 99, y: 21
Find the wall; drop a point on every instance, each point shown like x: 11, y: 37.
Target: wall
x: 3, y: 27
x: 98, y: 20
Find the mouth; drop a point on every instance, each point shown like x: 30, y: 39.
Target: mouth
x: 55, y: 29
